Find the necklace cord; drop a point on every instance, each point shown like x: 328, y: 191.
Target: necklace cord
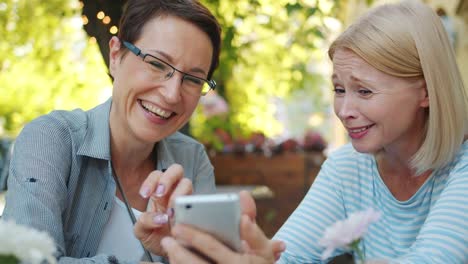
x: 130, y: 212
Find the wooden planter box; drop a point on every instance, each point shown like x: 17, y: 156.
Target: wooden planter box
x: 288, y: 175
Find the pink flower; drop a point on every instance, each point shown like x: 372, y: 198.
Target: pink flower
x: 213, y: 105
x: 347, y: 233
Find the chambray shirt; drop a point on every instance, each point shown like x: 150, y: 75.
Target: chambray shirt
x: 61, y: 179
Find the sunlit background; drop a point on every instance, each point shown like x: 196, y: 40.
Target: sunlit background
x: 274, y: 72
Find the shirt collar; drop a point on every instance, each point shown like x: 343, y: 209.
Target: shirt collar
x: 96, y: 142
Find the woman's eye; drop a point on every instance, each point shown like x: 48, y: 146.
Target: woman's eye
x: 193, y: 80
x: 157, y: 65
x: 364, y: 92
x: 339, y: 90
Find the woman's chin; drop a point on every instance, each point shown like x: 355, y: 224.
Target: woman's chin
x: 365, y: 148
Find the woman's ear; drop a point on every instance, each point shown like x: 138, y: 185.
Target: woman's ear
x: 424, y: 102
x: 114, y: 55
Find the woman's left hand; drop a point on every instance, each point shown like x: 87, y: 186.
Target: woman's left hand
x: 162, y: 188
x: 258, y: 249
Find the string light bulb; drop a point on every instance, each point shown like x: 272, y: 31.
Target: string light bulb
x: 100, y: 15
x: 113, y: 30
x: 84, y: 19
x: 106, y: 20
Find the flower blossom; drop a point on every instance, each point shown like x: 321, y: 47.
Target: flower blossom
x: 26, y: 244
x: 213, y: 105
x: 343, y: 234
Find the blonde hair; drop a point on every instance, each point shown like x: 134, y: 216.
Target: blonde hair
x: 408, y: 40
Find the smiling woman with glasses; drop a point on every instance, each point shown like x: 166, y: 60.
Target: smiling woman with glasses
x: 101, y: 182
x: 162, y: 71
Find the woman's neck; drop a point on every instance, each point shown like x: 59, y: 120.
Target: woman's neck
x: 131, y: 169
x: 398, y: 175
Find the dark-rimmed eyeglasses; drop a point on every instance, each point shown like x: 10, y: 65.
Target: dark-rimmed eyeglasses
x: 162, y: 71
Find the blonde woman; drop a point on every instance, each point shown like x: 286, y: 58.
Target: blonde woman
x: 399, y: 94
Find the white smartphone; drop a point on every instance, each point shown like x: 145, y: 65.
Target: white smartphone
x: 216, y: 214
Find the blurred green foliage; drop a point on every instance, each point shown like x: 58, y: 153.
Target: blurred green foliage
x: 46, y: 61
x: 268, y: 46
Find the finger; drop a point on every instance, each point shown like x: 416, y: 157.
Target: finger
x: 178, y: 253
x: 149, y: 221
x: 278, y: 247
x: 259, y: 244
x: 248, y: 205
x: 205, y: 244
x: 149, y: 186
x: 169, y: 179
x: 184, y: 187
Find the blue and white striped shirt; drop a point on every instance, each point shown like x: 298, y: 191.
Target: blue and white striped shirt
x: 61, y: 180
x: 430, y: 227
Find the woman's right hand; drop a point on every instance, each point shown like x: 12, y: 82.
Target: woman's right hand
x: 162, y: 188
x: 257, y: 247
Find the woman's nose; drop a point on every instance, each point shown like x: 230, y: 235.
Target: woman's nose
x: 346, y: 108
x: 172, y: 88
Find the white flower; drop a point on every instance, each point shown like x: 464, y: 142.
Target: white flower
x: 344, y: 233
x: 26, y: 244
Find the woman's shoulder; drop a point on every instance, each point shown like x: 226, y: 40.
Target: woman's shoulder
x: 460, y: 163
x: 51, y: 123
x: 73, y: 120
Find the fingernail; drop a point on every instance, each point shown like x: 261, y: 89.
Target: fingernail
x: 160, y: 190
x: 170, y: 212
x: 145, y: 191
x: 282, y: 246
x: 160, y: 219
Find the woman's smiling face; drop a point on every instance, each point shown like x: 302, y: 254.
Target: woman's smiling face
x: 378, y: 110
x: 150, y: 110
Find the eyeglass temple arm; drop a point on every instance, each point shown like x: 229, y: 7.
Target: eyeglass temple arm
x: 133, y: 49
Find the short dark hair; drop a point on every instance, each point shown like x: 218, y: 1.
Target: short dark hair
x: 138, y: 12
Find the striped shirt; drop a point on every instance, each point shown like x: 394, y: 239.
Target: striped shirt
x: 430, y: 227
x: 61, y: 178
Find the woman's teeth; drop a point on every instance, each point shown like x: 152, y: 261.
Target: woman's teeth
x: 358, y: 129
x: 157, y: 111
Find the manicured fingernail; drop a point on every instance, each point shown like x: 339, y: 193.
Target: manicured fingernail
x: 170, y: 212
x: 160, y: 190
x: 160, y: 219
x: 145, y: 191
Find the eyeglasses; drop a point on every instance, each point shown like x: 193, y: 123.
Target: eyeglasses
x: 162, y: 71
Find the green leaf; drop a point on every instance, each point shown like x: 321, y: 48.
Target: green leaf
x: 9, y: 259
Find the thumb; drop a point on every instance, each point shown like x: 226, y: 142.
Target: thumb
x: 253, y: 235
x: 248, y: 206
x: 258, y: 243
